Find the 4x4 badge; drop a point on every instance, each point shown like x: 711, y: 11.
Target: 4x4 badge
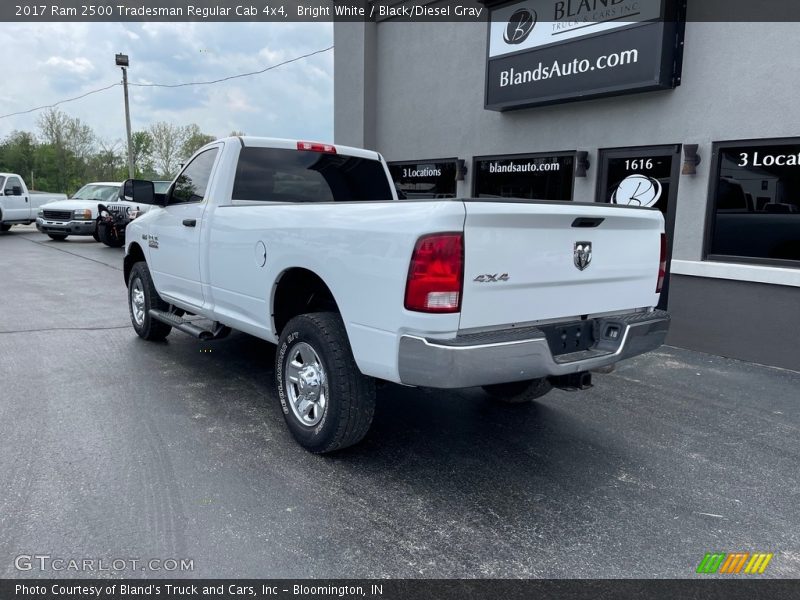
x: 582, y: 255
x: 492, y: 278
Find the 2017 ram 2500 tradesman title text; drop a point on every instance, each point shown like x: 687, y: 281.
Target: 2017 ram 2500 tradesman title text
x: 306, y: 245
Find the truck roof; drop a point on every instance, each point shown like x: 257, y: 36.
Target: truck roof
x: 268, y: 142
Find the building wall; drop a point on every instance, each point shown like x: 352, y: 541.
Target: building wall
x: 739, y: 82
x: 749, y: 321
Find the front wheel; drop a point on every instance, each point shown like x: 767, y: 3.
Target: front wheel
x: 57, y: 237
x: 142, y: 296
x: 327, y: 403
x: 518, y: 392
x: 108, y: 235
x: 5, y: 227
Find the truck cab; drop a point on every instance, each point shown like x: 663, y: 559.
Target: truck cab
x: 18, y: 205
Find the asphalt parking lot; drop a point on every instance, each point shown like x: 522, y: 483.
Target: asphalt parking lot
x: 112, y: 447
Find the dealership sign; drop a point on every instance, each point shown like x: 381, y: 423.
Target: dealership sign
x: 550, y: 51
x: 539, y: 176
x: 425, y: 179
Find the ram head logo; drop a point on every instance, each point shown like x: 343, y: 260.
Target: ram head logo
x: 582, y: 255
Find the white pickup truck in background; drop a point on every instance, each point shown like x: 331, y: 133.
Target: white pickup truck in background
x: 306, y: 245
x: 18, y: 205
x: 78, y: 215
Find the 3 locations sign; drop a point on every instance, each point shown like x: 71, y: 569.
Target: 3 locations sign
x: 425, y: 179
x: 549, y: 51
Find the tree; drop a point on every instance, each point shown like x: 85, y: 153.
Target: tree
x: 73, y: 143
x: 172, y: 145
x: 18, y: 154
x: 53, y: 127
x: 193, y: 140
x: 142, y: 150
x: 66, y: 154
x: 167, y: 148
x: 107, y: 164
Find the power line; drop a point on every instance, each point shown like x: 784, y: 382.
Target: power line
x: 286, y: 62
x: 170, y: 85
x: 54, y: 104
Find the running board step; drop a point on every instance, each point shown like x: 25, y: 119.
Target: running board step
x: 219, y: 331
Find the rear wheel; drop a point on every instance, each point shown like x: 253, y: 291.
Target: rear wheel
x: 142, y: 296
x: 327, y: 403
x: 5, y: 227
x: 518, y: 392
x: 58, y: 237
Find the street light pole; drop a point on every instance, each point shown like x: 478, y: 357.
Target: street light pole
x: 123, y: 63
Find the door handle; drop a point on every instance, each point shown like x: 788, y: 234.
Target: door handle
x: 190, y: 222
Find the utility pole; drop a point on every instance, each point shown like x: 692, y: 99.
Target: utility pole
x: 123, y: 62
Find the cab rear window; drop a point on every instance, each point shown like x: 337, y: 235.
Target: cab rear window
x: 283, y: 175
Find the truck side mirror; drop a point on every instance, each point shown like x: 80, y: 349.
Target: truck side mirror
x: 138, y: 190
x: 17, y: 190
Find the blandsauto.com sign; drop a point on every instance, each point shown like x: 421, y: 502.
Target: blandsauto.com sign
x: 550, y: 51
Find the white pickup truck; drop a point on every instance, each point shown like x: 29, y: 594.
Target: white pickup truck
x: 18, y: 206
x: 78, y: 215
x: 306, y: 245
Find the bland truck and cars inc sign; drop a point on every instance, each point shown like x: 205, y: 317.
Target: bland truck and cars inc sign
x: 549, y: 51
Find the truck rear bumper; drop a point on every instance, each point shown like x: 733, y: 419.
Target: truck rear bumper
x: 525, y: 353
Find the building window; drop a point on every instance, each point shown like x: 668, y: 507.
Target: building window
x: 425, y: 178
x: 754, y: 207
x: 534, y: 176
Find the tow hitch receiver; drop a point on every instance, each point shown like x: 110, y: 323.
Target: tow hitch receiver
x: 573, y: 382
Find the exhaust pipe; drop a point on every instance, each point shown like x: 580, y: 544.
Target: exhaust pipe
x: 573, y: 382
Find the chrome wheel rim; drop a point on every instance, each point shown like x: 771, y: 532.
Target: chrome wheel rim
x: 306, y: 384
x: 137, y: 302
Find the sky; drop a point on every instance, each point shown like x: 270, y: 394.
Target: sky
x: 54, y: 61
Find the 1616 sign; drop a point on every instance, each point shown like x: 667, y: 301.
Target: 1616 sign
x: 550, y: 51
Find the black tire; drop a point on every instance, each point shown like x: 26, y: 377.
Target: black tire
x: 95, y: 235
x: 349, y: 395
x: 104, y: 235
x: 57, y: 237
x: 5, y: 227
x: 518, y: 392
x: 146, y: 327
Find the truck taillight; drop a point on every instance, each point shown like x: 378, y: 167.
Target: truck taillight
x: 316, y: 147
x: 662, y: 264
x: 436, y: 274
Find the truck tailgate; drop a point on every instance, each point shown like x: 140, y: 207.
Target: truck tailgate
x: 520, y: 261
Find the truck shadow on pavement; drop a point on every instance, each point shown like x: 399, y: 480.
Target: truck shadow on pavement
x: 436, y: 445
